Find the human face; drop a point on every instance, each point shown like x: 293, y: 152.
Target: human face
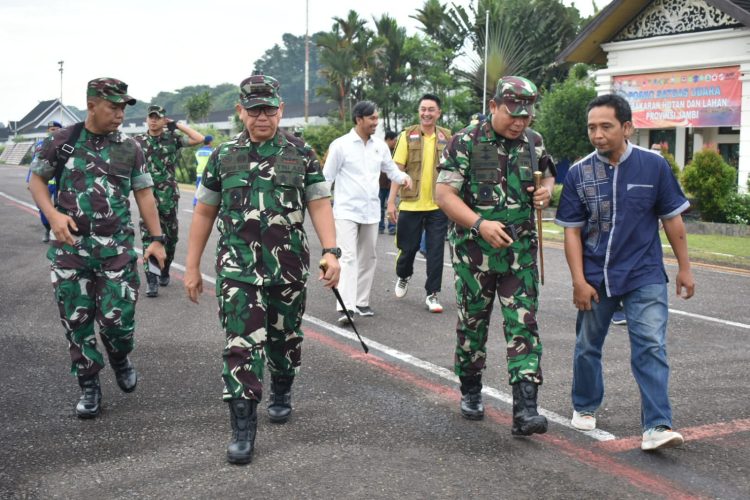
x: 366, y: 125
x: 510, y: 127
x: 262, y: 127
x: 155, y: 124
x: 606, y: 133
x: 429, y: 113
x: 104, y: 116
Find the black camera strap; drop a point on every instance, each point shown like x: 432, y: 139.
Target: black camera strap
x: 65, y: 151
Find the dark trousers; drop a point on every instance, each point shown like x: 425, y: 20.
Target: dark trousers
x: 408, y: 237
x: 383, y: 195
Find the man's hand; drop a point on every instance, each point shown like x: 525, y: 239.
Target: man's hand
x: 61, y: 225
x: 392, y: 212
x: 157, y: 250
x: 583, y: 294
x: 193, y: 283
x: 542, y: 196
x: 330, y: 269
x: 685, y: 284
x: 407, y: 182
x: 493, y: 233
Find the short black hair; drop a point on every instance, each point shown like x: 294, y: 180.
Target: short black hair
x: 362, y: 109
x: 390, y: 134
x: 616, y: 102
x: 429, y: 97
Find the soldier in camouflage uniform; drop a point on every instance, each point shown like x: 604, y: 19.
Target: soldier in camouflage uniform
x: 259, y: 186
x: 161, y: 145
x: 93, y: 261
x: 486, y: 187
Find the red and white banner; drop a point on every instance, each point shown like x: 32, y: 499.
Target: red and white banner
x: 694, y: 98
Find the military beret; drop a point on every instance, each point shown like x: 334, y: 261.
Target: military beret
x: 518, y: 94
x: 260, y: 90
x: 158, y: 110
x: 111, y: 89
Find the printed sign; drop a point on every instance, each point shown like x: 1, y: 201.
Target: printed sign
x: 694, y: 98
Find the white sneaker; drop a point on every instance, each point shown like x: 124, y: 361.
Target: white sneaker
x: 432, y: 303
x: 584, y: 421
x: 402, y: 286
x: 661, y: 437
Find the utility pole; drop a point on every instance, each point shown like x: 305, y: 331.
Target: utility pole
x: 486, y: 43
x: 307, y: 58
x: 61, y: 90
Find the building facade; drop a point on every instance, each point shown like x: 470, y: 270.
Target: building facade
x: 684, y: 67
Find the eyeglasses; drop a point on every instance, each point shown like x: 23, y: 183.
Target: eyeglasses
x: 266, y: 110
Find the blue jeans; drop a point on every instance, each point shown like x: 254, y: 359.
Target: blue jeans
x: 646, y: 309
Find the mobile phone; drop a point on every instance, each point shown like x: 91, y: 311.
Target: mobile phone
x: 510, y: 230
x: 153, y: 266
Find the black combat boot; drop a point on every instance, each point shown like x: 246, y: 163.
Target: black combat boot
x: 280, y: 401
x: 89, y: 404
x: 164, y: 278
x: 125, y: 374
x: 526, y: 420
x: 471, y: 397
x: 153, y: 284
x: 244, y: 419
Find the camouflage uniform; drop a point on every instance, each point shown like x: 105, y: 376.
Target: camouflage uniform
x: 161, y: 154
x: 491, y: 175
x: 95, y: 279
x: 262, y: 257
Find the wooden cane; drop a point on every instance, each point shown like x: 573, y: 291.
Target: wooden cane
x: 537, y: 185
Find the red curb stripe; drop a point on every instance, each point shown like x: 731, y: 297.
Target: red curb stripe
x: 649, y: 483
x: 22, y: 207
x: 707, y: 431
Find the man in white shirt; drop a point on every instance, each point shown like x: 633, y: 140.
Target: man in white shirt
x: 353, y: 164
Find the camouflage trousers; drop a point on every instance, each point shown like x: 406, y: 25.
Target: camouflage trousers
x: 96, y: 291
x: 169, y: 228
x: 518, y: 294
x: 260, y: 322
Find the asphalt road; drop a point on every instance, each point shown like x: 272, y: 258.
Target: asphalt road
x: 383, y: 425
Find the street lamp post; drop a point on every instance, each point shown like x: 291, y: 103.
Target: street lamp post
x: 61, y: 90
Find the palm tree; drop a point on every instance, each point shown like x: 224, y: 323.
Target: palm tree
x: 347, y: 55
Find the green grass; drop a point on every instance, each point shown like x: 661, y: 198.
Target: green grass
x: 733, y: 251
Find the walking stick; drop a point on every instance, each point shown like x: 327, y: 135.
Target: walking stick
x: 323, y: 266
x: 537, y: 185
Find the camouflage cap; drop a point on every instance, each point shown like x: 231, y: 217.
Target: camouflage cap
x: 110, y: 89
x: 518, y: 94
x: 156, y: 109
x: 260, y: 90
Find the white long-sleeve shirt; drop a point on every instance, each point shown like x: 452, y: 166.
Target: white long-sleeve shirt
x: 354, y: 166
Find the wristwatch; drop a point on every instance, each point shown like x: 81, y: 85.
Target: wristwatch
x: 159, y: 238
x: 474, y: 230
x: 335, y: 251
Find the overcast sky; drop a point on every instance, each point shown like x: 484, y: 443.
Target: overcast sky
x: 156, y: 45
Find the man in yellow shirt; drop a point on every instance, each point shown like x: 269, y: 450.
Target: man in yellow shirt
x: 418, y: 152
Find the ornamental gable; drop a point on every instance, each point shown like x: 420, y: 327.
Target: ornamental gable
x: 672, y: 17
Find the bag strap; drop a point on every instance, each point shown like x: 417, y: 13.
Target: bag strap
x: 65, y: 151
x: 531, y: 137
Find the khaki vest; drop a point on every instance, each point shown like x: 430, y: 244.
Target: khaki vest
x: 415, y: 144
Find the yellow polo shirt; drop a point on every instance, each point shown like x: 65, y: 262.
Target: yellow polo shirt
x: 401, y: 155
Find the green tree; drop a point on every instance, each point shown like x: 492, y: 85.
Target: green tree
x: 711, y: 181
x: 525, y: 36
x: 562, y: 116
x: 198, y: 106
x: 286, y: 63
x: 319, y: 137
x: 341, y: 53
x: 389, y: 77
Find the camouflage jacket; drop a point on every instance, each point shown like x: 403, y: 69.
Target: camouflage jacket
x: 262, y: 192
x: 161, y: 160
x: 94, y: 190
x: 491, y: 175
